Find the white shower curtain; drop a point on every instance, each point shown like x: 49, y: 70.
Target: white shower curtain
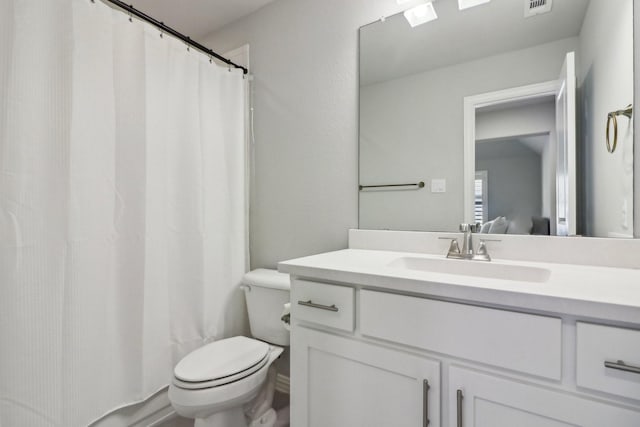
x: 122, y: 209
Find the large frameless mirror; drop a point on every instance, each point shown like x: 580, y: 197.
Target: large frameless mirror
x: 513, y: 114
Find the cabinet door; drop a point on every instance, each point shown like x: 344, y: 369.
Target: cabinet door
x: 343, y: 382
x: 491, y: 401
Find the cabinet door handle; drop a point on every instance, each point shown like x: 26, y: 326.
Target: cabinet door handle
x: 621, y: 366
x: 312, y: 304
x: 425, y: 403
x: 459, y: 398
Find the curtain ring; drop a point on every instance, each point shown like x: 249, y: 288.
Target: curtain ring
x: 610, y: 117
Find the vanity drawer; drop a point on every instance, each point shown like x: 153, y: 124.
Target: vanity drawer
x: 324, y: 304
x: 521, y: 342
x: 598, y: 344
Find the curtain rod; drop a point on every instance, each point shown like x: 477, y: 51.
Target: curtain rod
x: 141, y: 15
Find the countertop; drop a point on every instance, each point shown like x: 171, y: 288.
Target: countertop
x: 598, y: 293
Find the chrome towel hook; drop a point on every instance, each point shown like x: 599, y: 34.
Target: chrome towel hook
x: 612, y: 117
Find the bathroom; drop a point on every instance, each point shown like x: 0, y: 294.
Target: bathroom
x: 108, y: 280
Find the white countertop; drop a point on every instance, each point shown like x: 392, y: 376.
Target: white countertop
x: 591, y: 293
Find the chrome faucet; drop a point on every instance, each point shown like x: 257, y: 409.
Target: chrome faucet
x: 467, y: 251
x: 467, y: 239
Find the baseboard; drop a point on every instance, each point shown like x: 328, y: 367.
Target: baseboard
x: 153, y: 412
x: 158, y: 419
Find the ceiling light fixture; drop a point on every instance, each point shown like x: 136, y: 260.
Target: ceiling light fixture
x: 466, y: 4
x: 420, y: 14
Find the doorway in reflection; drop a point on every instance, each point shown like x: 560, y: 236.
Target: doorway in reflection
x: 515, y: 167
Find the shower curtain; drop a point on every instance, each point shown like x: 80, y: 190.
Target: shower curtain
x: 122, y: 209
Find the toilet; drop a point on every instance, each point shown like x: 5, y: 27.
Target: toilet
x: 217, y: 383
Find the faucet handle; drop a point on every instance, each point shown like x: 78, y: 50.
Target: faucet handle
x: 453, y: 247
x: 473, y: 228
x: 482, y: 254
x: 454, y: 250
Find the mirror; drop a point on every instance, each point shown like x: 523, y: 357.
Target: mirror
x: 487, y: 115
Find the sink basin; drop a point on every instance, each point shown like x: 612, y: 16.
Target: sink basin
x: 492, y: 270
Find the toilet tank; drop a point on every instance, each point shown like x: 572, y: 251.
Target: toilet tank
x: 266, y: 292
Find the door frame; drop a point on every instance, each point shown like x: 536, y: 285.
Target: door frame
x: 474, y: 102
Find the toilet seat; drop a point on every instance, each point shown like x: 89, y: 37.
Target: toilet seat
x: 220, y: 363
x: 220, y: 381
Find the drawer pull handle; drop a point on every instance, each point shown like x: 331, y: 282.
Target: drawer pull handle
x: 320, y: 306
x: 459, y: 398
x: 621, y: 366
x: 425, y: 403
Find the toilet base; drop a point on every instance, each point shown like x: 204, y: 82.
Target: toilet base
x: 232, y: 417
x: 226, y: 405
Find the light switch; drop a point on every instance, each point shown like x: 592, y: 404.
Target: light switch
x: 438, y: 185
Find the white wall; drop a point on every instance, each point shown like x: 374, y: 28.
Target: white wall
x: 606, y: 84
x: 515, y: 185
x: 636, y: 123
x: 411, y: 130
x: 304, y: 55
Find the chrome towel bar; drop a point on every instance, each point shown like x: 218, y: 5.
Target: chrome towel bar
x: 417, y: 186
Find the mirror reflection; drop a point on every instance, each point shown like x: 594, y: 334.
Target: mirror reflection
x: 498, y: 114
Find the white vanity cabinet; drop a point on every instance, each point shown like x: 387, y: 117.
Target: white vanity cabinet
x: 478, y: 399
x: 363, y: 357
x: 342, y: 382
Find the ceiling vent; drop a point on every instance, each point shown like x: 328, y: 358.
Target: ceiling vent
x: 536, y: 7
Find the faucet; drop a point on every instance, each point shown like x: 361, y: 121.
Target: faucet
x: 467, y: 251
x: 467, y: 239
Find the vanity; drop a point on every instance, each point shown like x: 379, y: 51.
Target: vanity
x: 391, y: 333
x: 459, y: 123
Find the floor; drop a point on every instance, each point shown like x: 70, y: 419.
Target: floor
x: 177, y: 422
x: 280, y: 400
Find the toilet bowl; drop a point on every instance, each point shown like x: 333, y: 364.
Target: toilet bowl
x: 215, y: 383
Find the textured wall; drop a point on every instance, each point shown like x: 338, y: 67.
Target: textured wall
x: 304, y: 55
x: 605, y: 79
x: 636, y: 121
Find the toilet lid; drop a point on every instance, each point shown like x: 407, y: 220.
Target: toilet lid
x: 221, y: 359
x: 187, y: 385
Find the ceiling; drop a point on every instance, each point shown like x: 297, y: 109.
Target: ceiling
x: 525, y: 146
x: 392, y: 49
x: 197, y: 18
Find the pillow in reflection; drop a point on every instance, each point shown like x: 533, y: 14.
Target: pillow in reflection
x: 499, y: 225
